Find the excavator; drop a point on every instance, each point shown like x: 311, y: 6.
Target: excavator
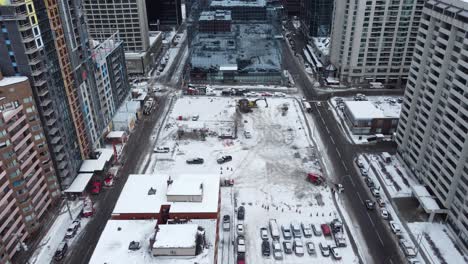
x: 245, y: 105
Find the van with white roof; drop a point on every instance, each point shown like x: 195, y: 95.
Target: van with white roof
x: 274, y: 229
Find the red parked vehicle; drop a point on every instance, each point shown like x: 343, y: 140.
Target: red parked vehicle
x: 326, y: 230
x: 96, y: 189
x: 315, y: 178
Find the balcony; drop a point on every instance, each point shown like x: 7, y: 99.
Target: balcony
x: 40, y: 82
x: 25, y: 26
x: 17, y: 2
x: 48, y: 112
x: 53, y: 131
x: 51, y: 122
x: 32, y: 49
x: 19, y: 133
x: 55, y: 140
x: 62, y: 165
x: 37, y: 72
x: 58, y: 148
x: 18, y: 121
x: 22, y: 142
x: 46, y: 102
x: 60, y: 157
x: 34, y: 61
x: 28, y: 38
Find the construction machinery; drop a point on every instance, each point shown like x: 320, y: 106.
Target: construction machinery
x: 246, y: 105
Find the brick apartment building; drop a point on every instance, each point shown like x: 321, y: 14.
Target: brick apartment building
x: 28, y: 184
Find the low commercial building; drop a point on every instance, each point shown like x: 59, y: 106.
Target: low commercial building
x: 215, y: 21
x: 195, y: 241
x: 175, y: 240
x: 364, y: 118
x: 164, y: 197
x: 28, y: 180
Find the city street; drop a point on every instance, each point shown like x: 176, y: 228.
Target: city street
x: 381, y: 245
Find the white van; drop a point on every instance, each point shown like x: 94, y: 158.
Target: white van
x: 161, y: 150
x: 274, y: 229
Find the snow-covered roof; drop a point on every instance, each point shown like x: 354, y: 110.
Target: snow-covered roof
x: 134, y: 197
x: 92, y: 165
x: 425, y: 198
x: 363, y: 110
x: 176, y: 236
x: 116, y: 134
x: 112, y: 246
x: 79, y: 183
x: 186, y: 187
x: 322, y: 44
x: 12, y: 80
x: 153, y: 36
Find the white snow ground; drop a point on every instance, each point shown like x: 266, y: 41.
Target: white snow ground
x: 269, y: 169
x: 438, y: 234
x: 44, y: 253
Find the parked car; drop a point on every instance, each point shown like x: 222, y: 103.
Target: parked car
x: 335, y: 252
x: 265, y: 248
x: 279, y: 94
x: 241, y: 213
x: 316, y: 230
x: 96, y: 187
x: 287, y: 245
x: 369, y: 182
x: 195, y: 161
x: 267, y: 94
x: 88, y: 209
x: 264, y: 233
x: 224, y: 159
x: 240, y: 244
x: 240, y: 229
x: 162, y: 150
x: 61, y: 251
x: 109, y: 181
x: 380, y: 202
x: 384, y: 213
x: 375, y: 192
x: 72, y: 229
x: 286, y: 232
x: 364, y: 172
x: 325, y: 249
x: 296, y: 229
x: 307, y: 230
x: 251, y: 94
x: 298, y: 247
x: 369, y: 204
x: 226, y: 222
x: 240, y: 258
x: 359, y: 163
x: 277, y: 252
x: 326, y: 230
x: 395, y: 227
x: 247, y: 134
x: 310, y: 248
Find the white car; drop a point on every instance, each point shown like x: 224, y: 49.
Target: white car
x: 325, y: 249
x: 335, y: 253
x: 240, y: 229
x: 307, y: 230
x: 384, y: 213
x: 395, y: 227
x: 277, y: 252
x: 162, y: 150
x: 279, y: 94
x: 298, y: 247
x: 251, y: 94
x: 375, y: 192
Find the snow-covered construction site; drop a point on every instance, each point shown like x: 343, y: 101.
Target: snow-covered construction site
x: 269, y: 169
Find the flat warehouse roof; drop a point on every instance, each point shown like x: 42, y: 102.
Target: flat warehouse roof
x: 134, y: 197
x: 80, y: 183
x: 176, y: 236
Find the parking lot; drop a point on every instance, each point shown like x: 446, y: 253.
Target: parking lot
x: 269, y: 169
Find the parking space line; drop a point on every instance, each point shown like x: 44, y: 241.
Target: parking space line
x: 327, y: 129
x: 344, y: 165
x: 372, y: 222
x: 380, y: 238
x: 339, y: 155
x: 359, y: 196
x: 333, y: 141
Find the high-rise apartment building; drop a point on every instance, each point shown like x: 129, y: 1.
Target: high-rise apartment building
x: 164, y: 14
x: 43, y: 41
x: 28, y: 185
x: 432, y: 133
x: 373, y: 41
x: 128, y: 18
x: 316, y: 16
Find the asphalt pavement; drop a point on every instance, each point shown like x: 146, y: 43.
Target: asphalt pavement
x: 82, y: 249
x: 379, y: 241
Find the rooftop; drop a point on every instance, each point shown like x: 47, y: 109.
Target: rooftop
x: 233, y: 3
x: 112, y: 246
x: 79, y: 183
x: 186, y: 187
x: 12, y: 80
x: 369, y: 110
x: 92, y: 165
x: 215, y: 15
x: 135, y: 192
x: 176, y: 236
